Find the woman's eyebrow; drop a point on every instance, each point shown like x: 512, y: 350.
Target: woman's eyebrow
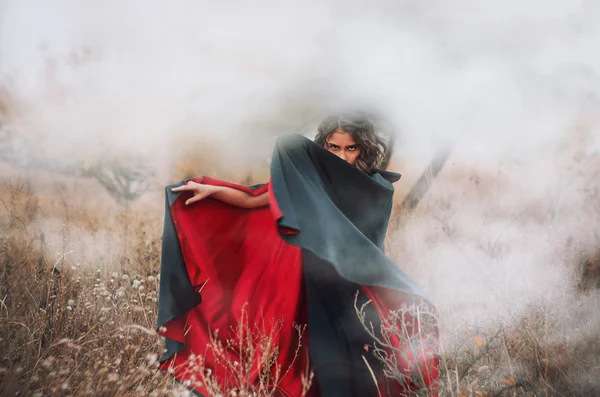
x: 339, y: 146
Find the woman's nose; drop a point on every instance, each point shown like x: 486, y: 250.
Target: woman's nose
x: 342, y: 155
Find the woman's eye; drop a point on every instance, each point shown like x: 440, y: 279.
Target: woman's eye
x: 352, y: 148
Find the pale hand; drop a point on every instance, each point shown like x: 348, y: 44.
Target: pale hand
x: 200, y: 191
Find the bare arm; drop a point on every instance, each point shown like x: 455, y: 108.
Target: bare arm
x: 225, y: 194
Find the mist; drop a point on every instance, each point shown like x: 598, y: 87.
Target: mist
x: 490, y: 76
x: 513, y: 86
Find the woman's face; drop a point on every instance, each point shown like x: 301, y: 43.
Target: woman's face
x: 342, y: 145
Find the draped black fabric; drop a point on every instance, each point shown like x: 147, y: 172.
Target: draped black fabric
x: 176, y: 295
x: 341, y: 214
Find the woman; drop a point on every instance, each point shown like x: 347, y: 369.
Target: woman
x: 297, y: 249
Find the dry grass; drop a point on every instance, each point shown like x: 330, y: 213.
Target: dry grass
x: 72, y: 328
x: 525, y: 358
x: 520, y: 359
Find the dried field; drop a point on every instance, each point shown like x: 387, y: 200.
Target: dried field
x: 79, y: 279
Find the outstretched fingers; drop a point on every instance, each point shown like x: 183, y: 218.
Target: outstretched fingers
x: 197, y: 197
x: 182, y: 188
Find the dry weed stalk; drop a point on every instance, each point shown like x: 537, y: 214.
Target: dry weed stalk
x: 246, y: 352
x: 405, y: 354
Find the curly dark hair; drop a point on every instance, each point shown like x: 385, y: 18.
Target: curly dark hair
x: 363, y: 131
